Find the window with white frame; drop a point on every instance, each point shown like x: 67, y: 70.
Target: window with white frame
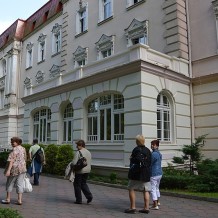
x: 130, y: 3
x: 68, y: 124
x: 41, y: 47
x: 80, y: 56
x: 105, y: 9
x: 29, y: 55
x: 56, y: 38
x: 105, y: 46
x: 42, y: 125
x: 164, y: 122
x: 137, y: 32
x: 106, y: 118
x: 82, y: 18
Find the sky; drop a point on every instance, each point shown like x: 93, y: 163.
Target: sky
x: 11, y: 10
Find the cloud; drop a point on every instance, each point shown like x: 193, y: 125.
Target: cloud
x: 4, y: 25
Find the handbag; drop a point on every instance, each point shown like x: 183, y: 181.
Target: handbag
x: 27, y: 187
x: 81, y: 163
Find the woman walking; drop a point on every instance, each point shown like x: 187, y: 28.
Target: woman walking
x: 15, y: 170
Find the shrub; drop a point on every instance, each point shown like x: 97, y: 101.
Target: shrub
x: 50, y: 158
x: 63, y: 157
x: 9, y: 213
x: 3, y: 158
x: 113, y: 177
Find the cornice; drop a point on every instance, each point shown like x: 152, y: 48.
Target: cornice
x: 205, y: 79
x: 112, y: 73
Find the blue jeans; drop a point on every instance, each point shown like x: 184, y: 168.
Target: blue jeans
x: 36, y: 178
x: 81, y: 185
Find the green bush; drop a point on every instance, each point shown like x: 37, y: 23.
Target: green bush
x: 113, y: 177
x: 9, y: 213
x: 63, y: 157
x: 3, y: 158
x: 50, y: 158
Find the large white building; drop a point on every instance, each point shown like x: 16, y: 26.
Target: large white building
x: 100, y: 70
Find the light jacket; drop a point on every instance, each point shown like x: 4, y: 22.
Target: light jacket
x: 156, y: 159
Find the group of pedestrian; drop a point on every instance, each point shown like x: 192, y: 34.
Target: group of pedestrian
x: 144, y: 175
x: 16, y: 170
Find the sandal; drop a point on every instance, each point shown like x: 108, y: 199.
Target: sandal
x: 143, y: 211
x: 5, y: 202
x: 130, y: 211
x: 18, y: 203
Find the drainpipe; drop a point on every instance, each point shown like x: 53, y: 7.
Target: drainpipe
x: 190, y: 74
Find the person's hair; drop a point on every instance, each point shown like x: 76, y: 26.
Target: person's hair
x: 17, y: 140
x: 81, y: 143
x: 155, y: 142
x: 140, y: 140
x: 35, y: 141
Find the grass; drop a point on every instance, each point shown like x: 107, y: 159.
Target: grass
x: 198, y: 194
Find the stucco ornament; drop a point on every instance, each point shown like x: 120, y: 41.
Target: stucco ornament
x: 215, y: 8
x: 27, y: 83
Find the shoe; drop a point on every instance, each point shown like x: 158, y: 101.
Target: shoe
x: 89, y: 200
x: 154, y: 208
x: 18, y: 203
x: 35, y: 184
x: 130, y: 211
x: 77, y: 202
x: 144, y: 211
x: 5, y: 202
x: 158, y: 204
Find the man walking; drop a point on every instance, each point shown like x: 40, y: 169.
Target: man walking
x: 36, y: 165
x: 81, y: 176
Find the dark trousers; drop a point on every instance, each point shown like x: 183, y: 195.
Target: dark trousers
x: 36, y: 178
x: 81, y: 185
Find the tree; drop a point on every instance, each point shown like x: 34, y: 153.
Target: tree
x: 192, y: 153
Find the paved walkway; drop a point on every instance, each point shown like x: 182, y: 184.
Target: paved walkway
x: 54, y: 199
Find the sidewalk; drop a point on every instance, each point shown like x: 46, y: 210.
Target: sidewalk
x: 54, y: 199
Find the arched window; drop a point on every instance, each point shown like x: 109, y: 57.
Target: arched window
x: 68, y: 124
x: 164, y: 122
x: 42, y: 125
x: 106, y: 118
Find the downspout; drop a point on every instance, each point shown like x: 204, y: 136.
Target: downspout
x: 190, y: 75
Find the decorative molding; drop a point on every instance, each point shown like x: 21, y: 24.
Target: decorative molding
x: 80, y: 54
x: 105, y: 42
x: 56, y: 28
x: 39, y: 77
x: 41, y: 37
x: 29, y: 46
x: 28, y: 82
x: 136, y: 29
x: 215, y: 8
x: 82, y: 6
x: 64, y: 1
x: 55, y: 71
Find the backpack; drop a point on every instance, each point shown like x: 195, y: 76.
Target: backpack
x: 39, y: 156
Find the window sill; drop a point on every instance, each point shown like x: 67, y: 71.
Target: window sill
x: 135, y: 5
x: 105, y: 20
x: 41, y: 62
x: 28, y: 67
x: 57, y: 53
x: 80, y: 34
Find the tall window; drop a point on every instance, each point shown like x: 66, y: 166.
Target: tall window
x: 68, y: 124
x: 105, y: 9
x: 82, y: 18
x: 133, y: 2
x: 42, y: 125
x: 56, y: 38
x: 41, y: 47
x: 3, y: 68
x: 163, y: 118
x: 106, y: 118
x: 29, y: 55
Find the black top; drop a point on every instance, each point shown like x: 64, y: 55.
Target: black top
x: 140, y: 162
